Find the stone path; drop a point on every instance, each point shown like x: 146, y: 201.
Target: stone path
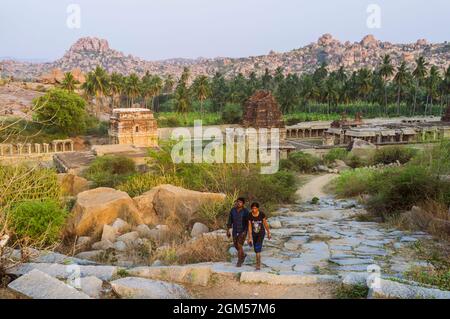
x: 327, y: 239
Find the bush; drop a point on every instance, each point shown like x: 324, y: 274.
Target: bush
x: 300, y: 162
x: 355, y: 161
x: 37, y: 220
x: 393, y: 154
x: 335, y: 154
x: 354, y: 182
x: 232, y: 114
x: 63, y: 111
x: 138, y: 184
x: 110, y: 171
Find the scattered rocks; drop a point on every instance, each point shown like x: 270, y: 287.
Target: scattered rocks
x: 272, y: 279
x: 394, y: 289
x: 189, y: 274
x: 109, y: 233
x: 141, y: 288
x: 121, y: 226
x: 39, y: 285
x: 144, y: 231
x: 103, y: 245
x: 128, y: 238
x: 91, y: 286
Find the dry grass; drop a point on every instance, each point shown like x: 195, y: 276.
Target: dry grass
x: 203, y: 249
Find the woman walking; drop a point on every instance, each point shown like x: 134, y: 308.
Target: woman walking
x: 257, y: 228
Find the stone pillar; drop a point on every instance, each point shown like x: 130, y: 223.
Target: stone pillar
x: 379, y: 139
x: 1, y: 150
x: 37, y: 148
x: 71, y: 145
x: 55, y: 147
x: 28, y: 148
x: 19, y: 149
x: 11, y: 149
x: 46, y: 147
x: 63, y: 145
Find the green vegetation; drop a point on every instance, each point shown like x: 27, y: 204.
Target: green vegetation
x: 396, y: 189
x: 300, y: 162
x: 172, y: 119
x: 351, y: 291
x: 336, y: 154
x: 110, y: 171
x: 61, y: 111
x: 232, y: 114
x: 37, y: 220
x: 392, y: 154
x: 140, y: 183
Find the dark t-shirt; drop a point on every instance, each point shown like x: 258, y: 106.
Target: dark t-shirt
x: 257, y: 223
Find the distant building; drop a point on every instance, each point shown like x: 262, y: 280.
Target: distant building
x: 133, y: 126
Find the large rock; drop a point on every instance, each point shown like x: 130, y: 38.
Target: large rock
x: 91, y: 286
x: 97, y: 207
x: 65, y: 271
x: 393, y: 289
x: 72, y: 185
x: 140, y: 288
x: 199, y: 229
x: 168, y: 200
x: 189, y: 274
x: 39, y: 285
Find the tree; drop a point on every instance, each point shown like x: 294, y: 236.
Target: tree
x: 386, y: 72
x: 401, y: 79
x: 432, y: 84
x: 116, y: 88
x: 419, y: 74
x: 62, y: 110
x: 182, y: 94
x: 97, y: 83
x: 169, y: 84
x: 69, y: 83
x: 132, y: 88
x: 202, y: 90
x: 219, y: 92
x: 287, y: 93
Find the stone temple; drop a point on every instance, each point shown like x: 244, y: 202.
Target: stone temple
x: 133, y: 126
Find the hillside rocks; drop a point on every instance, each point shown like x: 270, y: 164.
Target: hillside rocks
x: 199, y: 229
x: 164, y: 201
x: 39, y: 285
x: 87, y: 53
x: 189, y: 274
x: 95, y: 208
x: 140, y: 288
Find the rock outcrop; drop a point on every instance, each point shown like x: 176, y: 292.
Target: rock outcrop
x: 168, y: 200
x: 101, y: 206
x: 72, y: 185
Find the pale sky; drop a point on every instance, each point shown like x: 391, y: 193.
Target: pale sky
x: 160, y: 29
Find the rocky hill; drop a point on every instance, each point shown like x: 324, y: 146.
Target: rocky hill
x: 87, y: 53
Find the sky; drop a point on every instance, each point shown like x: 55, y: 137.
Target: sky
x: 160, y: 29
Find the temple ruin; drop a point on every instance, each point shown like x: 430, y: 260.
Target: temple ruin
x: 133, y: 126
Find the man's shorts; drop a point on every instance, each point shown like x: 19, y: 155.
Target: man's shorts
x: 239, y: 239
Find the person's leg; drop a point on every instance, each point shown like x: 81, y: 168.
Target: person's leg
x: 258, y: 242
x: 240, y: 248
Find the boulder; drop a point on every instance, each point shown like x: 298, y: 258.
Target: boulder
x: 144, y: 231
x: 38, y: 285
x: 101, y: 206
x: 102, y: 245
x: 92, y: 255
x: 121, y: 226
x: 120, y: 246
x: 392, y: 289
x: 83, y: 241
x: 168, y: 200
x: 140, y: 288
x: 91, y: 286
x: 199, y: 229
x: 72, y: 185
x: 109, y: 233
x: 275, y: 224
x: 189, y: 274
x: 129, y: 238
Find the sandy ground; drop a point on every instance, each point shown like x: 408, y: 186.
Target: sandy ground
x: 224, y: 287
x: 314, y: 187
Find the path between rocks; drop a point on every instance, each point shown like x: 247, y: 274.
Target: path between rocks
x: 314, y: 187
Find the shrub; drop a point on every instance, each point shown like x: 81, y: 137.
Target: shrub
x: 138, y: 184
x: 232, y: 113
x: 354, y: 182
x: 215, y: 214
x: 61, y: 110
x: 393, y: 154
x: 37, y: 220
x: 110, y: 171
x: 355, y: 161
x: 300, y: 162
x: 335, y: 154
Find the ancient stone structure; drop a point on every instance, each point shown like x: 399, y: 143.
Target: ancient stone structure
x: 26, y: 149
x: 133, y: 126
x: 262, y: 111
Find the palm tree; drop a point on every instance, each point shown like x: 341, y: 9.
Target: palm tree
x: 185, y: 75
x: 432, y: 83
x: 169, y: 84
x: 446, y: 87
x: 132, y: 88
x: 419, y: 74
x: 364, y: 79
x: 116, y: 85
x: 401, y: 79
x: 202, y: 90
x: 69, y: 83
x: 97, y: 84
x: 386, y: 71
x: 156, y: 87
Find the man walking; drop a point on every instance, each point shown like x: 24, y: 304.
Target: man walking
x: 238, y: 221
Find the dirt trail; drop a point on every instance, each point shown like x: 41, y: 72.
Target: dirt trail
x: 314, y: 188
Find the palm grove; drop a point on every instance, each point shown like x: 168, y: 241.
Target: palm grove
x: 389, y: 90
